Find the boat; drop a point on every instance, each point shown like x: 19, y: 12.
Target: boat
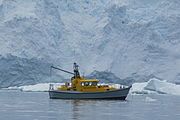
x: 80, y: 87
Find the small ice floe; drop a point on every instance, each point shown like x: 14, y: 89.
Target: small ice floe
x: 41, y: 87
x: 149, y: 99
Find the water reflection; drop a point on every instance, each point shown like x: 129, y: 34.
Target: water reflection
x: 79, y: 107
x: 75, y: 109
x: 86, y: 109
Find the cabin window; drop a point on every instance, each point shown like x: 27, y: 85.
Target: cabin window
x: 82, y: 84
x: 94, y: 83
x: 86, y: 83
x: 89, y: 84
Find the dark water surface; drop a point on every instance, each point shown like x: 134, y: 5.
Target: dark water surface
x: 16, y: 105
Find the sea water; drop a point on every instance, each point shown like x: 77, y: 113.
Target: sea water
x: 17, y: 105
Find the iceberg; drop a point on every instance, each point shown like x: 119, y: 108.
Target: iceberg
x: 138, y: 88
x: 155, y: 85
x: 41, y: 87
x: 163, y: 87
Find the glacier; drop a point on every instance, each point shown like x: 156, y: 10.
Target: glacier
x: 130, y: 40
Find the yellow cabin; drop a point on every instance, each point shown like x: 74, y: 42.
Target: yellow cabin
x: 82, y: 84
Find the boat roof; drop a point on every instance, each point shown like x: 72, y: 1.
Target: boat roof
x: 89, y: 80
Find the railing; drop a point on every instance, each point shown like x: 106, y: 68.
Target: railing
x: 54, y: 86
x: 51, y: 86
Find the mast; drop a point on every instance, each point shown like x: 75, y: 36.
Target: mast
x: 76, y: 70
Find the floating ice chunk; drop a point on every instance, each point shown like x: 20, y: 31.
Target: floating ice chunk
x: 37, y: 87
x: 162, y: 87
x: 41, y: 87
x: 155, y: 86
x: 138, y: 88
x: 11, y: 88
x: 149, y: 99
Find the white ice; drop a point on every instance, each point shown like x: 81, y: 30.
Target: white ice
x: 156, y: 86
x: 152, y: 86
x: 41, y: 87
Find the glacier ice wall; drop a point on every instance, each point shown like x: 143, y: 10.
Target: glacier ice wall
x: 129, y: 38
x: 15, y: 71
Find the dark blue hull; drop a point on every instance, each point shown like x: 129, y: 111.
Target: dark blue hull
x: 120, y: 94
